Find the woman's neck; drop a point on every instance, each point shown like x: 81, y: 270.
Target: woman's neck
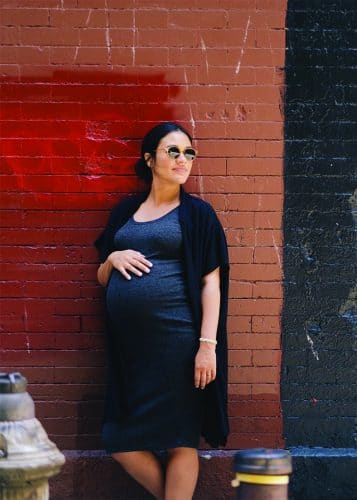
x: 163, y: 195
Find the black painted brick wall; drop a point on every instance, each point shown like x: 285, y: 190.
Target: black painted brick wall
x: 319, y: 316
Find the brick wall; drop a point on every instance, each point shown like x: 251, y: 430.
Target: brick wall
x: 82, y: 82
x: 319, y: 226
x: 319, y: 313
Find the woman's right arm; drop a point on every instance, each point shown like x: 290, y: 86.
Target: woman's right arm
x: 104, y: 272
x: 123, y: 261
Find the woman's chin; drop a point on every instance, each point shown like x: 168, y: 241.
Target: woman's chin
x: 182, y: 177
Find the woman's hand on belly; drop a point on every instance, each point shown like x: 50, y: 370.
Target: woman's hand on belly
x: 126, y: 261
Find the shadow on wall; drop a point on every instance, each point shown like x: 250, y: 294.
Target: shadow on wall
x: 69, y: 145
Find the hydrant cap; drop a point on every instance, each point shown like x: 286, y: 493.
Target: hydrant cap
x: 15, y: 401
x: 12, y: 382
x: 263, y: 461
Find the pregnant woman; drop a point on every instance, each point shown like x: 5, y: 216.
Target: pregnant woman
x: 165, y: 270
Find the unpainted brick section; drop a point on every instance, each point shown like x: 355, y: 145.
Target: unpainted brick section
x: 82, y: 81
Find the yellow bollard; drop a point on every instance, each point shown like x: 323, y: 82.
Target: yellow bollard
x: 262, y: 474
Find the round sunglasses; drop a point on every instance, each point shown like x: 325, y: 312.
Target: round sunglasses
x: 174, y: 152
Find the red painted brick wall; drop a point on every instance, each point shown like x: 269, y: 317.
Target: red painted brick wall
x: 82, y: 82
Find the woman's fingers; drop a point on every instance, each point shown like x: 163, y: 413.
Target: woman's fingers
x: 130, y: 267
x: 124, y: 273
x: 134, y: 270
x: 203, y: 377
x: 139, y: 261
x: 130, y: 260
x: 141, y: 258
x: 142, y: 266
x: 211, y: 377
x: 196, y: 378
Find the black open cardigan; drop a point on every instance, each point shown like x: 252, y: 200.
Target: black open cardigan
x: 204, y: 249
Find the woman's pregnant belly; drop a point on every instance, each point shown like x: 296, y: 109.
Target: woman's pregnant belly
x: 163, y: 289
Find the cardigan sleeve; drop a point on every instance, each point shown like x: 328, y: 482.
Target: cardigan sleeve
x: 215, y: 252
x: 215, y: 426
x: 104, y: 241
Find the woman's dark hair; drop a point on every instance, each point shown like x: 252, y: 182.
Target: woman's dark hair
x: 150, y: 144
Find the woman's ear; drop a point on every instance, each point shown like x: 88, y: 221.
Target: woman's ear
x: 148, y: 159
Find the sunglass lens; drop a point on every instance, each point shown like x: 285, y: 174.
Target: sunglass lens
x: 173, y: 152
x: 190, y: 154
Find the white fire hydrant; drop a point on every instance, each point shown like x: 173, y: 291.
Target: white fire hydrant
x: 27, y: 457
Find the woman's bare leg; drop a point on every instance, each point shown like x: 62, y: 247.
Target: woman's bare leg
x: 145, y: 468
x: 181, y: 473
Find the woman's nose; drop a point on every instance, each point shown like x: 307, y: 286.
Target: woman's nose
x: 181, y: 157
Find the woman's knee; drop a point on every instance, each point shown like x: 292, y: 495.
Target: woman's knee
x: 133, y: 459
x: 126, y: 458
x: 183, y: 452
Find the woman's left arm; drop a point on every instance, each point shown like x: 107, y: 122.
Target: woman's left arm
x: 205, y: 361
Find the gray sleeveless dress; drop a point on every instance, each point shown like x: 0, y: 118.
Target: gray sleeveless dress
x: 156, y: 343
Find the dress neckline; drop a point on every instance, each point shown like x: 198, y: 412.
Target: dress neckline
x: 154, y: 220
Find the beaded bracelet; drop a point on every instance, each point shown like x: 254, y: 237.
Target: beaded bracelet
x: 210, y: 341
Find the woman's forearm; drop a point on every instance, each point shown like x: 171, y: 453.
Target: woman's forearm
x: 210, y: 297
x: 104, y: 271
x: 205, y: 360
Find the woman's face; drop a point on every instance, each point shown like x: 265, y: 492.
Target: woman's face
x: 171, y: 170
